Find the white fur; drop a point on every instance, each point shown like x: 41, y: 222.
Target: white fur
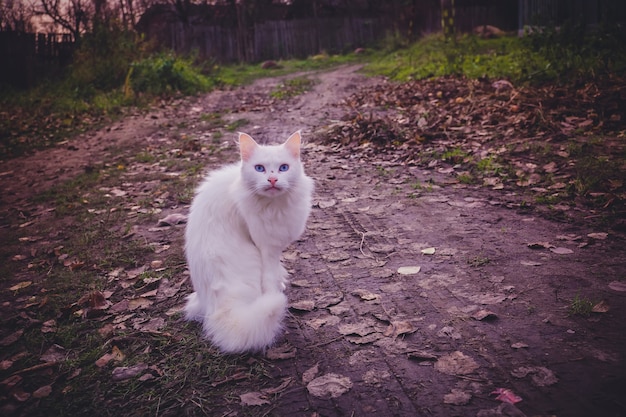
x: 237, y: 228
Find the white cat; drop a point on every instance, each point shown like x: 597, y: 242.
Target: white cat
x: 242, y: 217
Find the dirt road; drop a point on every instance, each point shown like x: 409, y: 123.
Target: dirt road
x: 411, y: 294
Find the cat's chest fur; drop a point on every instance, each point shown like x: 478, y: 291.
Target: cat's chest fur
x: 275, y: 221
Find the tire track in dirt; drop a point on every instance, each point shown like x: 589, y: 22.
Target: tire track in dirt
x: 481, y: 248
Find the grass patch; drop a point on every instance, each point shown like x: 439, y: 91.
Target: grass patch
x: 546, y: 55
x: 580, y: 306
x: 292, y: 88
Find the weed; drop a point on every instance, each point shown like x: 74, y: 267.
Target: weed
x: 454, y: 156
x: 580, y: 306
x: 235, y: 125
x: 465, y: 178
x: 478, y: 261
x: 292, y: 87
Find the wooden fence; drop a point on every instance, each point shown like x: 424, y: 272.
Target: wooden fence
x: 277, y: 39
x: 27, y: 57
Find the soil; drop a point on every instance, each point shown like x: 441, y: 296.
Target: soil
x: 412, y: 293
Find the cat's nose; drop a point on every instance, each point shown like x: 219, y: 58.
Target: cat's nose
x: 272, y: 180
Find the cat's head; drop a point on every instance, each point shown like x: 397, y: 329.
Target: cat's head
x: 270, y: 170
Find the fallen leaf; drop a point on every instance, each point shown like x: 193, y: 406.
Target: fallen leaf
x: 540, y: 375
x: 561, y: 251
x: 20, y: 286
x: 285, y: 351
x: 457, y: 397
x: 397, y: 328
x: 336, y: 256
x: 42, y: 392
x: 484, y: 315
x: 601, y: 307
x: 12, y: 338
x: 253, y: 399
x: 365, y: 295
x: 540, y: 245
x: 123, y: 373
x: 326, y: 204
x: 617, y: 286
x: 506, y: 395
x: 362, y: 329
x: 55, y: 353
x: 310, y: 374
x: 456, y: 363
x: 329, y: 386
x: 280, y: 388
x: 329, y: 299
x: 409, y: 270
x: 421, y: 356
x: 304, y: 305
x: 172, y: 219
x: 139, y: 303
x: 598, y: 236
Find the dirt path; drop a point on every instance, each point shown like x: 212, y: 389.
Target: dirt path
x: 411, y: 296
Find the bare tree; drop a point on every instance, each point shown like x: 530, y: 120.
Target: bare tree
x: 16, y: 15
x: 72, y: 15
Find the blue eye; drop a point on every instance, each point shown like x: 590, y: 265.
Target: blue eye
x: 283, y: 168
x: 259, y: 168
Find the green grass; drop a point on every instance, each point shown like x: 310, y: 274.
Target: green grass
x: 547, y: 55
x: 292, y: 87
x: 580, y: 306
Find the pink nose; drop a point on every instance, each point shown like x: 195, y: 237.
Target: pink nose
x: 272, y: 180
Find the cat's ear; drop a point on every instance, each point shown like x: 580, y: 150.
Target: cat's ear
x: 247, y: 145
x: 293, y: 144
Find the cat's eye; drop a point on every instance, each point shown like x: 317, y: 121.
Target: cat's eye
x: 259, y: 168
x: 283, y: 168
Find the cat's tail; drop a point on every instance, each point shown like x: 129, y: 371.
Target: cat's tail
x: 247, y: 326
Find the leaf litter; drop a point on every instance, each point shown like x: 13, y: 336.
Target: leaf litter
x: 131, y: 277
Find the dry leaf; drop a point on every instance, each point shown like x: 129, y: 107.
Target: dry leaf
x: 397, y: 328
x: 310, y: 374
x: 457, y: 397
x: 598, y: 236
x: 253, y: 399
x: 20, y: 286
x: 561, y: 251
x: 43, y: 392
x: 12, y: 338
x: 285, y: 351
x: 456, y: 363
x: 617, y: 286
x: 365, y: 295
x: 601, y: 307
x: 139, y: 303
x: 421, y: 356
x: 484, y: 315
x: 123, y: 373
x: 172, y: 219
x: 304, y: 305
x: 506, y: 395
x: 540, y: 375
x: 409, y: 270
x: 329, y: 386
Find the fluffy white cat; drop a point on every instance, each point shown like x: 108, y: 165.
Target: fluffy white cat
x: 242, y: 217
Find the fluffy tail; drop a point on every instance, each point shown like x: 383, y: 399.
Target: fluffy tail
x: 237, y: 327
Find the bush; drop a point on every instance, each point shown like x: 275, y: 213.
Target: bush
x: 165, y: 73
